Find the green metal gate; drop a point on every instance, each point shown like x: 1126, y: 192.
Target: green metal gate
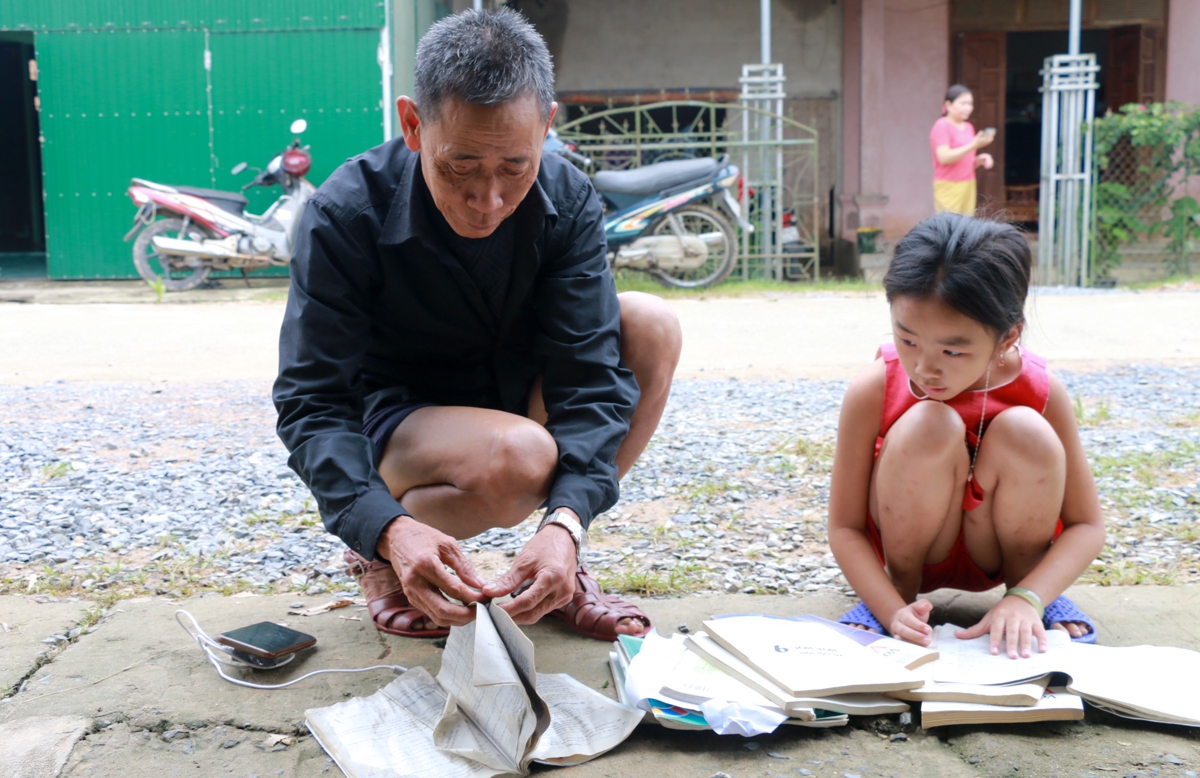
x: 129, y: 88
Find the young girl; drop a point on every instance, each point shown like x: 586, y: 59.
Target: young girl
x: 958, y: 461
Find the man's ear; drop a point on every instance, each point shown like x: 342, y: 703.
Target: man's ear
x: 550, y: 121
x: 410, y: 122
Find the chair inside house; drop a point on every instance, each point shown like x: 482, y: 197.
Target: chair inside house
x: 1021, y: 203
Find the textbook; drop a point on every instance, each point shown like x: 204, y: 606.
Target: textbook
x: 487, y: 713
x: 1055, y: 704
x: 1149, y: 683
x: 674, y: 687
x: 808, y: 659
x: 854, y: 704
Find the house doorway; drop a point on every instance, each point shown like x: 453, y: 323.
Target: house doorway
x: 22, y: 232
x: 997, y: 49
x: 1027, y: 52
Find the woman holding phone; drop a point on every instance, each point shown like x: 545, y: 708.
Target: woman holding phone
x: 954, y: 143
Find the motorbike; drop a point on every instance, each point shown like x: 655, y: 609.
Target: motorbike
x: 185, y: 232
x: 673, y: 220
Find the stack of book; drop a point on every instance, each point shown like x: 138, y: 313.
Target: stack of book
x: 807, y: 671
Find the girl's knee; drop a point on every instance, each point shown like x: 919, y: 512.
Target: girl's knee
x: 1025, y: 433
x: 928, y: 427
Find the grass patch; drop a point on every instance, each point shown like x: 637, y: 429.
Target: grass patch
x: 709, y: 489
x: 680, y: 579
x: 54, y: 470
x: 632, y: 281
x: 803, y: 454
x: 1093, y: 414
x: 1126, y: 574
x: 1129, y: 478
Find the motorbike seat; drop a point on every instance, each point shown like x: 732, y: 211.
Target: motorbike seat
x: 655, y: 178
x: 233, y: 202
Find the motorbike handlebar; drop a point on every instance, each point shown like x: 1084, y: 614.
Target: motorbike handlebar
x: 576, y: 157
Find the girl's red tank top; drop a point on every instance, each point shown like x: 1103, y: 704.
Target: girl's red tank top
x: 1031, y: 388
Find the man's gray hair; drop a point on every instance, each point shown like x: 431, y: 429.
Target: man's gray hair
x: 484, y: 58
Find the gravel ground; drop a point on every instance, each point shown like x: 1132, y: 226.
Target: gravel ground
x: 175, y: 488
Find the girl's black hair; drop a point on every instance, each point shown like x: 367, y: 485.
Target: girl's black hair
x: 979, y: 268
x: 956, y: 91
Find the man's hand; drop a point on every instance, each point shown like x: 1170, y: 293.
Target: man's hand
x: 548, y: 559
x: 911, y: 623
x: 420, y: 555
x: 1012, y: 618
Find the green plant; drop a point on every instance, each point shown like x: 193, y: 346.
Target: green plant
x: 1145, y: 156
x: 56, y: 470
x: 159, y: 288
x: 1181, y: 229
x: 1099, y: 414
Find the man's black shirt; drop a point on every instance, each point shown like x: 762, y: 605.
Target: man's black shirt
x: 381, y: 311
x: 488, y: 261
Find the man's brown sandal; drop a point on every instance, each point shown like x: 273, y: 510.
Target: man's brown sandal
x: 390, y: 610
x: 594, y: 614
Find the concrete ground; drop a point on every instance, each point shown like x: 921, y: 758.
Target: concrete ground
x: 154, y: 707
x: 157, y: 708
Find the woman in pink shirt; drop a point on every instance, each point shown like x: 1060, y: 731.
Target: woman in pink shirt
x: 954, y: 143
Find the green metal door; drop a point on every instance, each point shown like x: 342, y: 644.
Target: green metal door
x: 263, y: 81
x: 115, y: 104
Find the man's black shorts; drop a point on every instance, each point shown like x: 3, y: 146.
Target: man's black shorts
x: 380, y: 425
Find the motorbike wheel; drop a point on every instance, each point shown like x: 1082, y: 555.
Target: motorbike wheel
x: 175, y: 275
x: 698, y: 220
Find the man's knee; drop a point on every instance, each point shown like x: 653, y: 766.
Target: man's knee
x: 651, y: 336
x: 518, y: 465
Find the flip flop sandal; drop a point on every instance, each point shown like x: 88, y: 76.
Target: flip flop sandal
x: 861, y: 616
x: 594, y: 614
x: 390, y: 610
x: 1062, y: 610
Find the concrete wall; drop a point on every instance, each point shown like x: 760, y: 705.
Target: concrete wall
x: 635, y: 44
x: 917, y: 67
x: 1183, y: 52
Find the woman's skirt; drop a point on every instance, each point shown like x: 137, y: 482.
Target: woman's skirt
x: 954, y: 196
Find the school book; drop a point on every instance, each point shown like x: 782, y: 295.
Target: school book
x: 853, y: 704
x: 657, y: 658
x: 1055, y: 704
x: 901, y: 652
x: 1150, y: 683
x: 808, y: 659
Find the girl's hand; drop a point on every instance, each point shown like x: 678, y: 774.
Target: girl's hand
x: 911, y: 623
x: 1012, y: 618
x: 985, y: 161
x: 983, y: 138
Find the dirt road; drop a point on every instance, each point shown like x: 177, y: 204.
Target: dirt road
x: 785, y: 336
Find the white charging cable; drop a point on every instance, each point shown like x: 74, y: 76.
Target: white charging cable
x: 219, y: 654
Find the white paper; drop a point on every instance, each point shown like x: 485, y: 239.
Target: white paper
x: 582, y: 722
x: 482, y: 717
x: 390, y: 733
x: 644, y: 676
x: 807, y: 658
x: 735, y: 718
x: 1053, y: 699
x: 489, y: 702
